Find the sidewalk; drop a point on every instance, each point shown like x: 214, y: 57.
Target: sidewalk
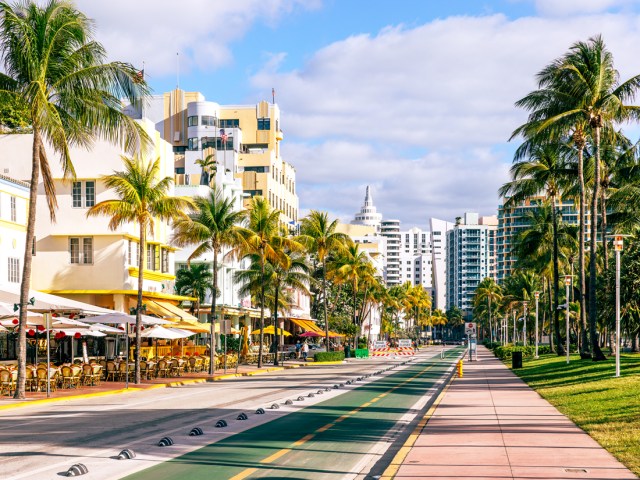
x: 109, y: 388
x: 491, y: 425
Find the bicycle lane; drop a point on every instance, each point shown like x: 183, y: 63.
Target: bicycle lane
x: 327, y: 440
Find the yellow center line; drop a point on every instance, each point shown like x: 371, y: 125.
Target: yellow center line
x: 276, y: 455
x: 244, y: 474
x: 325, y: 428
x: 303, y: 440
x: 306, y: 438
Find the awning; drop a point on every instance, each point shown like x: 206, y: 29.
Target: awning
x: 176, y: 311
x: 307, y: 325
x: 194, y: 328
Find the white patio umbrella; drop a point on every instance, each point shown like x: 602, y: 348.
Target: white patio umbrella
x: 120, y: 317
x: 99, y: 327
x: 161, y: 332
x: 43, y: 302
x: 68, y: 322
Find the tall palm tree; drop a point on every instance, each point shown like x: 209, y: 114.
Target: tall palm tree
x: 143, y: 197
x: 581, y: 92
x: 56, y: 72
x: 351, y: 266
x: 290, y: 272
x: 318, y: 234
x: 267, y: 239
x: 439, y: 318
x: 208, y: 165
x: 214, y: 226
x: 488, y: 292
x: 194, y: 281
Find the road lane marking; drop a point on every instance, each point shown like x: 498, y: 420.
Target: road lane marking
x: 284, y: 451
x: 304, y: 439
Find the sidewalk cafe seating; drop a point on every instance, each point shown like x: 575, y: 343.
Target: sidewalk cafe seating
x: 162, y: 369
x: 69, y: 379
x: 43, y: 378
x: 7, y: 382
x: 111, y: 371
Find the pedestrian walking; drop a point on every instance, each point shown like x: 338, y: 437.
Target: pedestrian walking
x: 298, y: 347
x: 305, y: 350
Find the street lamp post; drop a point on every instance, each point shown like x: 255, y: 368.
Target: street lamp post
x: 524, y: 323
x: 537, y: 295
x: 567, y: 283
x: 618, y: 244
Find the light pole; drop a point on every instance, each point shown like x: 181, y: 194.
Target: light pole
x: 567, y: 283
x: 618, y: 244
x: 537, y: 295
x: 525, y: 304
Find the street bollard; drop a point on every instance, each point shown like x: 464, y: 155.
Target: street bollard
x: 460, y: 363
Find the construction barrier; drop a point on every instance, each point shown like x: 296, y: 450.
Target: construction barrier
x: 393, y: 352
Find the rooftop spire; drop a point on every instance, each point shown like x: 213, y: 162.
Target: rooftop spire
x: 368, y: 201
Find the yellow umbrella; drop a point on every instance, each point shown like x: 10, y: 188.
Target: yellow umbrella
x: 270, y: 330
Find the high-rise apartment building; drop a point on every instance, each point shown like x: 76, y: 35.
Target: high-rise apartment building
x: 439, y: 229
x: 471, y: 257
x: 391, y: 230
x: 416, y: 258
x: 515, y: 219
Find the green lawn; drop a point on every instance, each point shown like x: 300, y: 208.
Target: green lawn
x: 607, y: 408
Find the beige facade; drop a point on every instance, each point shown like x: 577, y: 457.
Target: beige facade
x: 244, y: 139
x: 79, y: 257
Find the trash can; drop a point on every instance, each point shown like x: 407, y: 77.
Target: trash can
x: 347, y: 351
x: 516, y: 360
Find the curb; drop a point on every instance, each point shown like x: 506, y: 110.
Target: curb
x: 156, y: 386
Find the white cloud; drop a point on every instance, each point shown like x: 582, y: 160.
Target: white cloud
x: 200, y: 30
x: 572, y: 7
x: 423, y: 113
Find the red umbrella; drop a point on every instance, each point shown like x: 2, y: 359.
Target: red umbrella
x: 310, y: 334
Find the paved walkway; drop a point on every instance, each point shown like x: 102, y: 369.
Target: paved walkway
x: 491, y: 425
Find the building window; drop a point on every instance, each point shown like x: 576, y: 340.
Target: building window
x: 129, y: 252
x: 264, y: 124
x: 14, y: 270
x: 193, y: 143
x: 230, y: 123
x: 257, y: 169
x: 151, y: 257
x: 253, y: 193
x: 81, y: 250
x: 14, y: 215
x: 165, y: 260
x: 83, y: 194
x: 192, y: 121
x: 228, y: 145
x: 208, y: 121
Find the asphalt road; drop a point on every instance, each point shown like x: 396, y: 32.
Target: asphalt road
x: 341, y: 433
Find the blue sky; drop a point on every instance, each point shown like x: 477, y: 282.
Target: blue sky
x: 412, y: 97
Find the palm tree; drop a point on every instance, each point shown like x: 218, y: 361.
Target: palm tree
x: 488, y: 292
x: 194, y: 281
x: 438, y: 318
x: 290, y: 272
x: 143, y: 197
x: 214, y: 226
x: 208, y: 165
x: 55, y: 71
x: 266, y: 239
x: 351, y: 266
x: 583, y: 93
x: 319, y: 236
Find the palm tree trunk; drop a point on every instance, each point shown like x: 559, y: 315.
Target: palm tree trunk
x: 324, y: 301
x: 26, y: 268
x: 490, y: 325
x: 214, y: 298
x: 581, y: 242
x: 596, y: 353
x: 551, y: 315
x: 556, y: 279
x: 261, y: 308
x: 141, y: 253
x: 275, y: 326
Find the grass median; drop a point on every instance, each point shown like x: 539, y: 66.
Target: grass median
x: 607, y: 408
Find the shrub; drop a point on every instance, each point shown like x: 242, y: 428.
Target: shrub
x: 329, y: 357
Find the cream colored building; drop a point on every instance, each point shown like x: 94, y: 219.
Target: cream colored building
x: 81, y: 258
x: 244, y: 139
x: 14, y: 198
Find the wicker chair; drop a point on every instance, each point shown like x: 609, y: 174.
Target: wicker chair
x: 111, y: 371
x: 67, y: 377
x: 86, y: 377
x: 7, y: 384
x: 44, y: 375
x: 162, y: 369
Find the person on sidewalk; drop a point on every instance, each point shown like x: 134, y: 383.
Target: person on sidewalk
x: 298, y: 347
x: 305, y: 350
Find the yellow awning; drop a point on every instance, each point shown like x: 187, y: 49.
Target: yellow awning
x: 198, y: 328
x: 155, y: 309
x: 307, y: 325
x: 175, y: 311
x: 334, y: 334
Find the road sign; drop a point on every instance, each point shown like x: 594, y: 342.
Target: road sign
x: 404, y: 342
x: 470, y: 328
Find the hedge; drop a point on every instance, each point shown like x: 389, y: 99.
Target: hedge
x: 328, y: 357
x: 505, y: 352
